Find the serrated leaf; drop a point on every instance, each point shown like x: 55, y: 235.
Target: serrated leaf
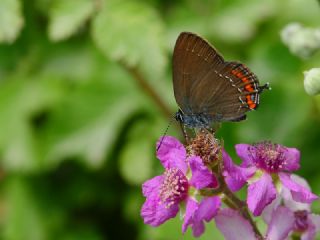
x: 19, y: 101
x: 77, y: 56
x: 66, y: 17
x: 11, y: 20
x: 131, y: 32
x: 94, y: 139
x: 87, y: 123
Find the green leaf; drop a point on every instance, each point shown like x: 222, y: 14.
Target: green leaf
x: 11, y: 20
x: 19, y: 102
x: 136, y: 161
x: 66, y: 17
x: 132, y: 205
x: 136, y: 158
x: 23, y: 216
x: 88, y: 121
x: 83, y: 233
x: 232, y: 25
x: 131, y: 32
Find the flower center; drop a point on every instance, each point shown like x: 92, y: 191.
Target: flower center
x: 268, y: 156
x: 174, y: 187
x: 301, y: 220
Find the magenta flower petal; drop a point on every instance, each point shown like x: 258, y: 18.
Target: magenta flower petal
x: 292, y: 156
x: 315, y: 220
x: 233, y: 226
x: 287, y: 197
x: 198, y: 228
x: 268, y: 210
x: 191, y: 207
x: 197, y: 213
x: 172, y: 153
x: 201, y: 176
x: 235, y: 176
x: 270, y: 157
x: 243, y: 153
x: 299, y: 193
x: 155, y: 213
x: 313, y: 227
x: 310, y: 233
x: 282, y: 222
x: 152, y: 185
x: 208, y: 208
x: 260, y: 194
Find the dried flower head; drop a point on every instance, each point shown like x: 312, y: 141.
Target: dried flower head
x: 206, y: 146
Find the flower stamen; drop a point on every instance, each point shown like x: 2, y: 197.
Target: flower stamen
x: 174, y: 187
x: 268, y: 156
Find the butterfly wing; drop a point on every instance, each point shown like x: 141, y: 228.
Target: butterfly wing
x: 205, y: 84
x: 237, y: 93
x: 193, y: 58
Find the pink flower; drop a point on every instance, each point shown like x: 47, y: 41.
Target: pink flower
x: 306, y: 224
x: 264, y: 165
x: 234, y: 227
x: 166, y: 192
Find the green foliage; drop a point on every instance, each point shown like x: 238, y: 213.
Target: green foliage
x: 11, y: 20
x: 66, y: 17
x: 79, y: 121
x: 135, y: 38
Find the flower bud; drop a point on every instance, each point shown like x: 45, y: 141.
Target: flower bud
x: 301, y: 41
x: 312, y: 81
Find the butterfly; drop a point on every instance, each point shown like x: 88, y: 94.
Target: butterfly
x: 209, y: 89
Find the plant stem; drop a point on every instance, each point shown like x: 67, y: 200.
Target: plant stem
x: 143, y: 83
x: 236, y: 202
x: 230, y: 199
x: 242, y: 208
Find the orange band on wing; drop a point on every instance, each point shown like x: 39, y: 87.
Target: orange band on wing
x: 244, y: 75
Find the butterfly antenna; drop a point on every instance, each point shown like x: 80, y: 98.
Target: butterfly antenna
x: 164, y: 134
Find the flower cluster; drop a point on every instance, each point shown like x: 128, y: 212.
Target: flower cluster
x: 182, y: 179
x: 200, y: 179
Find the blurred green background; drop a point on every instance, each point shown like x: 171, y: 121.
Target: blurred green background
x: 86, y: 90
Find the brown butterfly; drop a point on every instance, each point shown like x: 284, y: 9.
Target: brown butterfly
x: 209, y: 89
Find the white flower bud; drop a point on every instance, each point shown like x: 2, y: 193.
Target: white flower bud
x: 312, y: 81
x: 301, y: 41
